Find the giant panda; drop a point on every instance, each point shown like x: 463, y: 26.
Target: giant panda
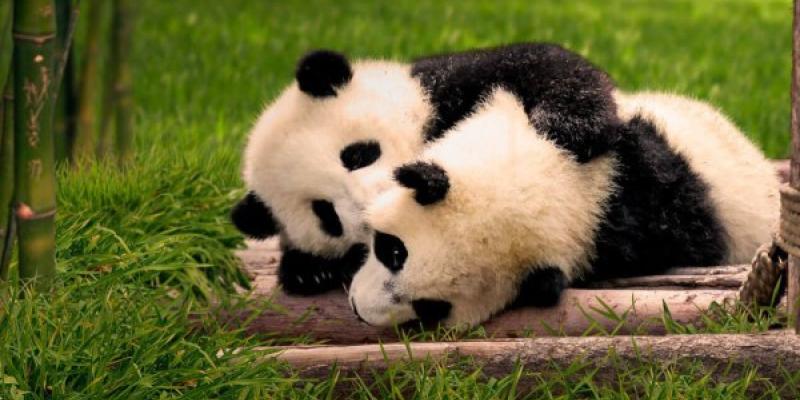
x: 322, y: 149
x: 497, y: 214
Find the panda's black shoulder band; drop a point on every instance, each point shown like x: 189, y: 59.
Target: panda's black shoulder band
x: 319, y: 73
x: 428, y: 180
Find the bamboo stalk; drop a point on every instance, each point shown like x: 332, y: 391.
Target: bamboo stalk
x: 35, y: 183
x: 85, y: 136
x: 6, y: 42
x: 6, y: 176
x: 64, y: 123
x: 122, y: 21
x: 6, y: 143
x: 108, y: 102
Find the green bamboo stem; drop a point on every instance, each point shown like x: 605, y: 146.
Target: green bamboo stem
x: 108, y: 101
x: 64, y: 123
x: 122, y: 21
x: 6, y: 176
x: 6, y: 43
x: 6, y: 142
x: 35, y: 181
x: 85, y: 136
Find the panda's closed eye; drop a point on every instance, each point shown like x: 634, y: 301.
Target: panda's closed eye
x: 360, y: 154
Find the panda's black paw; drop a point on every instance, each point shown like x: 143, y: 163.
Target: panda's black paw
x: 541, y: 287
x: 304, y: 274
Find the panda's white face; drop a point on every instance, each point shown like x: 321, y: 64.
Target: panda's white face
x: 315, y: 160
x: 482, y: 208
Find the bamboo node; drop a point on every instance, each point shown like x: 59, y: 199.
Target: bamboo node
x: 25, y: 212
x: 37, y: 39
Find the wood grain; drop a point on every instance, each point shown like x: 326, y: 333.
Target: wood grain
x: 638, y: 308
x: 774, y: 354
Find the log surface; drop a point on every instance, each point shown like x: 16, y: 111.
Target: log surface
x: 687, y: 292
x: 774, y: 354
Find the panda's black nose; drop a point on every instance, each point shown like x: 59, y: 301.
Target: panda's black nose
x: 390, y: 251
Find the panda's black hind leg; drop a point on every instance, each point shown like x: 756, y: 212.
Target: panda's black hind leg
x: 541, y: 287
x: 305, y: 274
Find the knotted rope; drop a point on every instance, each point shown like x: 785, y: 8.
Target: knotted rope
x: 770, y: 261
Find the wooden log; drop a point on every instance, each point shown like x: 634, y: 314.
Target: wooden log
x: 794, y: 178
x: 329, y: 317
x: 774, y: 354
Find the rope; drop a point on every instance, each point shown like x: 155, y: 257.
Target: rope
x: 768, y: 265
x: 770, y: 261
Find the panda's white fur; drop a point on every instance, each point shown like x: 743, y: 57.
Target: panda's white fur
x: 517, y: 200
x: 292, y: 156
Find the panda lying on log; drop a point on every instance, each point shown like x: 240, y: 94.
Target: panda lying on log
x: 499, y: 212
x: 328, y: 143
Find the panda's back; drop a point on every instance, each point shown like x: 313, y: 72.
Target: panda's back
x: 742, y: 184
x: 692, y: 190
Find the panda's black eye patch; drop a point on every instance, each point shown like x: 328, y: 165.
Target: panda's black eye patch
x: 360, y: 154
x: 390, y: 251
x: 328, y: 219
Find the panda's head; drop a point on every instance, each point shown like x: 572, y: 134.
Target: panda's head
x: 481, y: 210
x: 321, y: 149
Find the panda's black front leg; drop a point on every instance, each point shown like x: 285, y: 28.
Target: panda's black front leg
x: 302, y: 273
x: 541, y: 287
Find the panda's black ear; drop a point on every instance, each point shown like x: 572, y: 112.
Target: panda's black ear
x: 319, y: 73
x: 428, y: 180
x: 253, y: 218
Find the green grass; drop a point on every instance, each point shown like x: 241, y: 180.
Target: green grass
x: 139, y: 251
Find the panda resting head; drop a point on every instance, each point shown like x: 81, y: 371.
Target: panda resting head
x: 320, y: 151
x: 466, y: 222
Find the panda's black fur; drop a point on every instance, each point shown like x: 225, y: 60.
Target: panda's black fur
x: 564, y: 95
x: 657, y: 191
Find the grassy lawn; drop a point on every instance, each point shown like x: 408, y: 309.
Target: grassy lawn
x: 140, y: 251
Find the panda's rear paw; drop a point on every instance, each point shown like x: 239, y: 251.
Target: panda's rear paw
x: 541, y: 287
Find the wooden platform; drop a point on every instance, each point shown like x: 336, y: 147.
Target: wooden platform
x: 634, y: 305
